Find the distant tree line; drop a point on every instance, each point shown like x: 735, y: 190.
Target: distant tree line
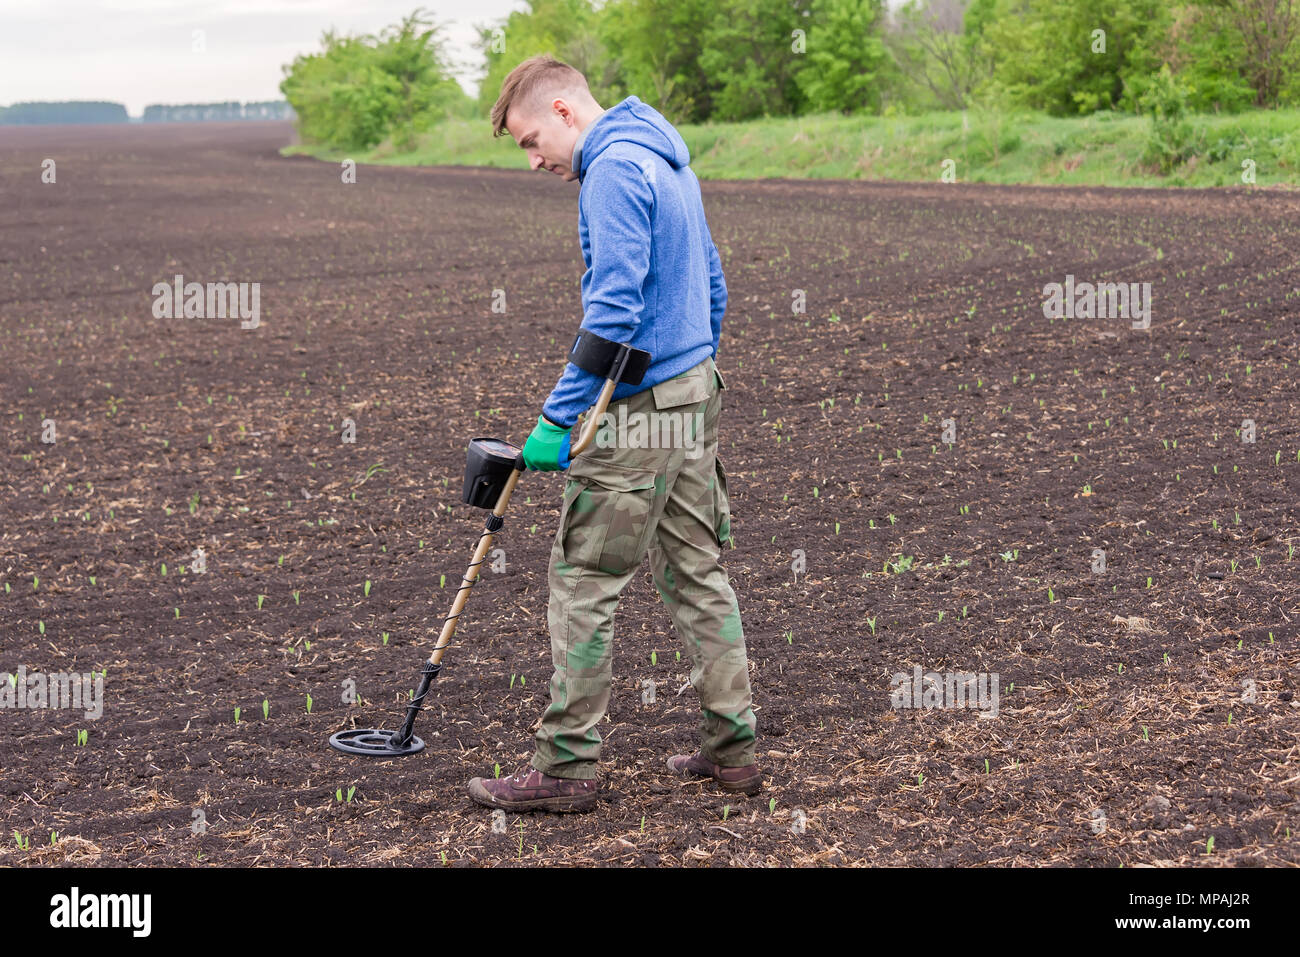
x: 230, y: 112
x: 27, y: 114
x: 32, y: 114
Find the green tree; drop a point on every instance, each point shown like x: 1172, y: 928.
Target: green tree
x: 845, y: 60
x: 360, y: 89
x: 1208, y: 55
x: 1262, y: 33
x: 1075, y: 56
x: 937, y: 47
x: 749, y: 57
x: 655, y: 47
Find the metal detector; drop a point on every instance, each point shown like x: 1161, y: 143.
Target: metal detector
x: 492, y: 469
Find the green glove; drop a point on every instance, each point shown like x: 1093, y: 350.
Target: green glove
x: 547, y: 449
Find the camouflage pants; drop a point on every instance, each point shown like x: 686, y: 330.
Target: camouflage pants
x: 661, y: 492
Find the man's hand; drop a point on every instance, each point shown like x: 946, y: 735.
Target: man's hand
x: 547, y: 449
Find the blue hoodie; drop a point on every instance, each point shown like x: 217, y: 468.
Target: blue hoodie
x: 653, y: 274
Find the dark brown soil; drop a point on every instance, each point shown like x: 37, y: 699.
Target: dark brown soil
x: 1122, y: 735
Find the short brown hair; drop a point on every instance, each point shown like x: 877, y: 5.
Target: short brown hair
x: 531, y: 82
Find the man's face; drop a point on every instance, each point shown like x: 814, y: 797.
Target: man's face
x: 549, y: 136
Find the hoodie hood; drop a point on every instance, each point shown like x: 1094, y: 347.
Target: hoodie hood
x: 634, y: 122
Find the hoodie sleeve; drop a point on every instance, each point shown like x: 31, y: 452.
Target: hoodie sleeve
x: 618, y: 203
x: 717, y: 290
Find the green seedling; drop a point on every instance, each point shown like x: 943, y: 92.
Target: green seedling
x: 266, y: 709
x: 309, y: 703
x: 237, y: 710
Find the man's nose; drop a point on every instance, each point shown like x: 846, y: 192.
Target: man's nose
x: 537, y: 161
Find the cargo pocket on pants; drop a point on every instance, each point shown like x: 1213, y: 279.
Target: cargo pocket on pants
x: 721, y: 504
x: 607, y: 524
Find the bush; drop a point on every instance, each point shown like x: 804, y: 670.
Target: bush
x: 1172, y: 139
x: 361, y: 89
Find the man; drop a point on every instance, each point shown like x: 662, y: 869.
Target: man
x: 653, y: 279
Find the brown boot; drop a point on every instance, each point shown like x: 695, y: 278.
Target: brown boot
x: 747, y: 779
x: 528, y: 789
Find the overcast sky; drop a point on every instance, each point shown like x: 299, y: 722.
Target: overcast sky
x: 137, y: 52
